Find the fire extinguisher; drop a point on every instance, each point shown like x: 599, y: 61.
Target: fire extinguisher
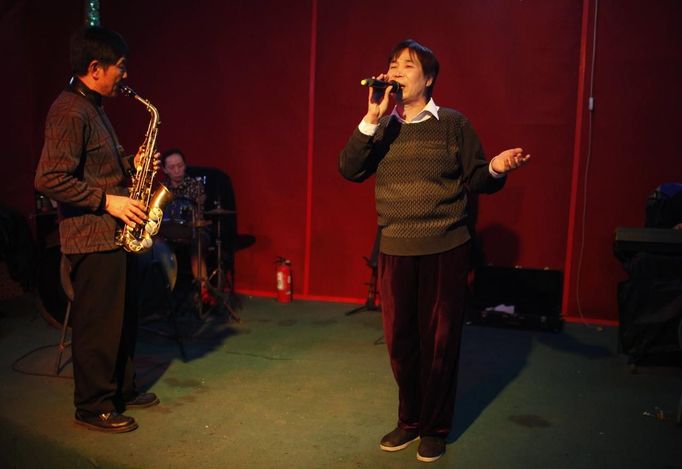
x: 283, y: 272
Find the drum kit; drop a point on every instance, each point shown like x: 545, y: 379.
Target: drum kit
x: 182, y: 230
x: 180, y: 221
x: 181, y: 226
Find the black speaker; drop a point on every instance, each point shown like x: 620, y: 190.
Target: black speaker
x: 532, y: 297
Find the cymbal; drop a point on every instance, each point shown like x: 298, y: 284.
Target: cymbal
x: 220, y: 212
x: 202, y: 223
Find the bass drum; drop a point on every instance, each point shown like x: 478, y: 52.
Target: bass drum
x: 52, y: 300
x: 159, y: 265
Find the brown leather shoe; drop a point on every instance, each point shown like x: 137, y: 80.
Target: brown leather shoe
x: 397, y: 439
x: 110, y: 422
x: 142, y: 400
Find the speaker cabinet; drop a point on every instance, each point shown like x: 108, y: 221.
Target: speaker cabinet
x: 517, y: 297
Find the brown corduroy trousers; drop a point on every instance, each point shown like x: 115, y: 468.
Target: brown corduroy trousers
x: 423, y: 299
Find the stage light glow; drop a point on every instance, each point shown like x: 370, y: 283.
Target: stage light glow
x: 92, y: 12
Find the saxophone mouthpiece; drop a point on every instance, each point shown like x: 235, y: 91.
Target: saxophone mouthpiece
x: 127, y: 91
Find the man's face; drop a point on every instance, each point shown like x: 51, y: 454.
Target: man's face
x: 407, y: 70
x: 174, y: 167
x: 110, y: 77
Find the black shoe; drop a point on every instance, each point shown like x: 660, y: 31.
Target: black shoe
x: 142, y: 400
x: 431, y: 448
x: 398, y: 439
x: 110, y: 422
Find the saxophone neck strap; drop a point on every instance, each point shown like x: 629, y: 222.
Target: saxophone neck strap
x: 77, y: 86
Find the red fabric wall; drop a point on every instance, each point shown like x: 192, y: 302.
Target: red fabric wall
x: 509, y: 66
x: 238, y: 88
x: 230, y: 80
x: 636, y: 123
x: 35, y: 67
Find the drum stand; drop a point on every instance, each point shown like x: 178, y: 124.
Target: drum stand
x: 175, y: 302
x: 224, y: 298
x: 199, y: 280
x: 173, y: 306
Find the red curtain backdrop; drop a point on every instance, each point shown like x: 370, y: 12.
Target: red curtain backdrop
x: 636, y: 122
x: 268, y: 91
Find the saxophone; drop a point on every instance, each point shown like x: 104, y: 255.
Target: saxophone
x: 138, y: 239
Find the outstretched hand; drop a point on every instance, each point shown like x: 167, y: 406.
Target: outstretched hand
x: 509, y: 160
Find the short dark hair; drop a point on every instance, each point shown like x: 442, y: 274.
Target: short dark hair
x: 172, y: 151
x: 427, y: 59
x: 95, y: 43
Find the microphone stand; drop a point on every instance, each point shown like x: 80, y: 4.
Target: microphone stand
x: 371, y: 304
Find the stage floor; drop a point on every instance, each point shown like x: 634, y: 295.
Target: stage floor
x: 301, y: 385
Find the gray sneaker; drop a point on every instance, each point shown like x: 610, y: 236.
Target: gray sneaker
x: 431, y: 448
x: 397, y: 439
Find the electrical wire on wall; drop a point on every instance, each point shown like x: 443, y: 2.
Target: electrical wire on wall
x: 590, y: 106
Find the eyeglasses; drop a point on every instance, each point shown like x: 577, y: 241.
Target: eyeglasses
x: 122, y: 64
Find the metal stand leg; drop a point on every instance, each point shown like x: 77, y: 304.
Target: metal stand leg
x: 176, y: 331
x: 173, y: 306
x: 372, y: 262
x: 176, y: 336
x: 371, y: 303
x: 63, y: 343
x: 223, y: 299
x: 67, y: 286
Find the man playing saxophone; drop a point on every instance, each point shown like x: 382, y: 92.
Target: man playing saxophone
x: 83, y: 167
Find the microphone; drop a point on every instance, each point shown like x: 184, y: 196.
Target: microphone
x: 378, y: 84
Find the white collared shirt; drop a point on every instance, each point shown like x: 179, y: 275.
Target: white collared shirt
x: 429, y: 111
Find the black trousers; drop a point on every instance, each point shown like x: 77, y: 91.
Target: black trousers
x: 422, y: 304
x: 104, y: 326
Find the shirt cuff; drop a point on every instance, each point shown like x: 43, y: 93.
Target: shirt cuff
x: 494, y: 173
x: 102, y: 202
x: 367, y: 129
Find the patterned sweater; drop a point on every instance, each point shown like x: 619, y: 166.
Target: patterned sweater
x: 423, y: 172
x: 81, y: 161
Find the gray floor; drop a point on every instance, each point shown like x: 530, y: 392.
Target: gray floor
x: 304, y: 386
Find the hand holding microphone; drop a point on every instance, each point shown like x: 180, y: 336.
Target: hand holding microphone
x: 378, y: 96
x: 380, y: 84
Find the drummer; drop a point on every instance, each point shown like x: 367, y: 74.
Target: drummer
x: 184, y: 187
